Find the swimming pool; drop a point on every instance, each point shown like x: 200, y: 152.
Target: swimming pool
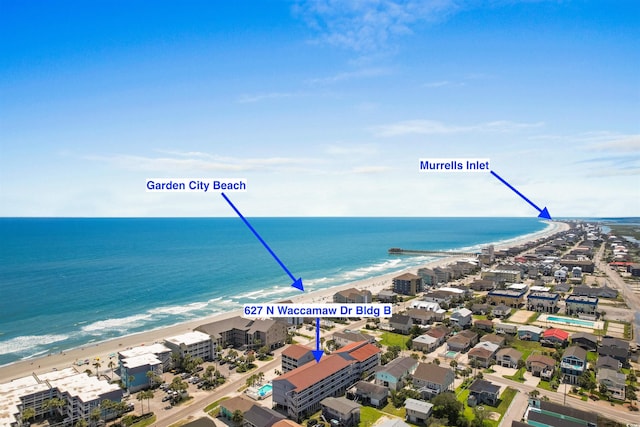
x: 451, y: 354
x: 265, y: 390
x: 572, y: 321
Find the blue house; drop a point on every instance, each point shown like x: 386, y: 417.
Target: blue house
x: 394, y: 374
x: 529, y: 333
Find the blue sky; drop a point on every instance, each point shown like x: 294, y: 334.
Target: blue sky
x: 324, y: 106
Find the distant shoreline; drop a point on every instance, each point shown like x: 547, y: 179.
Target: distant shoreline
x: 102, y: 349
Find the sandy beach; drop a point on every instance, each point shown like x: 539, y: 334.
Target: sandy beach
x: 102, y: 350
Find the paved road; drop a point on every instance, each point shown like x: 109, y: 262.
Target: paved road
x: 604, y: 408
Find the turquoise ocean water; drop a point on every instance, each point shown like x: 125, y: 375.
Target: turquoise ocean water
x: 69, y: 282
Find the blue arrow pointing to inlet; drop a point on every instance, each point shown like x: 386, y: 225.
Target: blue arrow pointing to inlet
x: 544, y: 213
x: 318, y: 352
x: 297, y: 283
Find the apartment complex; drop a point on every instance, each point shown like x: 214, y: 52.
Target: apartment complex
x: 195, y: 344
x: 352, y: 295
x: 80, y: 393
x: 246, y: 333
x: 295, y: 356
x: 509, y: 297
x: 543, y: 302
x: 577, y: 305
x: 407, y: 284
x: 300, y: 391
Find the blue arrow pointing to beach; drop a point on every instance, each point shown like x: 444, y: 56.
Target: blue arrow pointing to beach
x: 297, y: 283
x: 318, y: 352
x: 544, y: 213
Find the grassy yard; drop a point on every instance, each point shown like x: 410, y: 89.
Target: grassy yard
x: 392, y: 410
x: 391, y: 338
x: 146, y: 422
x: 545, y: 385
x: 592, y: 356
x: 518, y: 376
x: 215, y: 404
x: 369, y: 415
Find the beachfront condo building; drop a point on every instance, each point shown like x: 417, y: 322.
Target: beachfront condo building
x: 194, y: 344
x: 295, y: 356
x: 407, y: 284
x: 133, y: 371
x: 246, y: 333
x: 300, y: 391
x: 80, y: 393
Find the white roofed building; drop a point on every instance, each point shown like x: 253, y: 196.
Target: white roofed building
x: 195, y: 344
x: 80, y: 392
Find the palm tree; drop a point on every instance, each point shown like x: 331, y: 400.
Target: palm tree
x: 28, y: 413
x: 97, y: 365
x: 140, y: 397
x: 111, y: 365
x: 237, y: 416
x: 95, y: 416
x: 53, y: 403
x: 151, y: 376
x: 149, y: 395
x: 534, y: 393
x: 131, y: 378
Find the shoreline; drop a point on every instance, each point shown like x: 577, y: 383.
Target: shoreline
x: 102, y: 349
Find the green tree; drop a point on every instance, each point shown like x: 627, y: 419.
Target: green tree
x: 95, y: 416
x: 445, y: 405
x: 237, y: 416
x: 28, y: 414
x: 97, y: 365
x: 81, y: 423
x: 534, y: 393
x: 111, y: 365
x: 479, y: 417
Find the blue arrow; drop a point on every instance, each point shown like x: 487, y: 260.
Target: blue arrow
x: 297, y: 283
x: 544, y: 213
x: 317, y: 353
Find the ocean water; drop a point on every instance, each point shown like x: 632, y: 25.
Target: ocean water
x: 69, y: 282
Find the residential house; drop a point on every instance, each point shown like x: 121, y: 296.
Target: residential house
x: 508, y: 357
x: 483, y: 353
x: 407, y: 284
x: 233, y: 404
x: 369, y: 393
x: 608, y: 362
x: 483, y: 325
x: 481, y: 309
x: 541, y: 366
x: 246, y: 333
x: 428, y: 276
x: 543, y: 302
x: 510, y: 297
x: 299, y: 392
x: 349, y: 337
x: 529, y: 333
x: 417, y: 411
x: 295, y: 356
x: 441, y: 297
x: 616, y: 348
x: 431, y: 380
x: 387, y: 296
x: 440, y: 333
x: 401, y: 323
x: 352, y: 295
x: 395, y: 373
x: 493, y: 338
x: 573, y: 363
x: 421, y: 317
x: 541, y: 413
x: 585, y: 340
x: 581, y: 305
x: 461, y: 317
x: 586, y: 265
x: 501, y: 311
x: 462, y: 341
x: 260, y: 416
x: 444, y: 274
x: 482, y: 285
x: 425, y: 343
x: 483, y: 392
x: 501, y: 276
x: 506, y: 328
x: 340, y: 411
x: 614, y: 381
x: 552, y: 336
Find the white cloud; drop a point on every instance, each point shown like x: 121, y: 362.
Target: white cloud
x: 350, y: 75
x: 249, y: 99
x: 191, y: 162
x: 369, y: 25
x: 432, y: 127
